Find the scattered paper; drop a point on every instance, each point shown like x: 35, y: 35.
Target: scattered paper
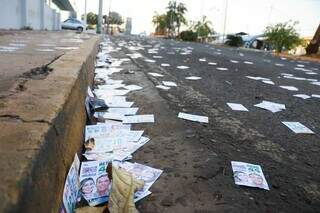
x: 193, y: 78
x: 247, y: 174
x: 303, y: 96
x: 154, y: 74
x: 257, y: 78
x: 237, y: 107
x: 114, y: 92
x: 182, y: 67
x: 271, y: 106
x: 291, y: 88
x: 124, y: 111
x: 191, y: 117
x: 297, y: 127
x: 212, y: 63
x: 95, y: 185
x: 71, y: 186
x: 103, y: 129
x: 268, y: 82
x: 133, y: 87
x: 222, y: 68
x: 138, y: 119
x: 145, y: 173
x: 150, y: 61
x: 163, y: 87
x: 169, y: 83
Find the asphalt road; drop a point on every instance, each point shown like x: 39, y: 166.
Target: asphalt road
x: 290, y: 162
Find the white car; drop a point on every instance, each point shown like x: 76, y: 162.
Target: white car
x: 73, y: 24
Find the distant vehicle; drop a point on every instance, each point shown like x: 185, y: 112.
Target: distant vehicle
x: 143, y: 34
x: 73, y: 24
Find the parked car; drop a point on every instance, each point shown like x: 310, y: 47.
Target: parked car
x: 73, y: 24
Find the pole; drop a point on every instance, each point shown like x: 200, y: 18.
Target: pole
x: 225, y: 21
x: 85, y: 14
x: 99, y: 17
x: 109, y: 19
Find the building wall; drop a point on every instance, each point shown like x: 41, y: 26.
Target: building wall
x: 36, y: 14
x: 33, y: 14
x: 49, y: 16
x: 10, y: 14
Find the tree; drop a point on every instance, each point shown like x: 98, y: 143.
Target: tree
x: 92, y: 18
x: 160, y: 22
x: 175, y: 16
x: 203, y: 27
x: 181, y: 10
x: 282, y: 36
x: 114, y: 18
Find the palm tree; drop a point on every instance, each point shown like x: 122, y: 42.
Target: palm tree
x: 160, y: 22
x: 203, y: 27
x: 175, y: 16
x: 181, y: 10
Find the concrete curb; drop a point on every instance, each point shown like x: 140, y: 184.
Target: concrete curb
x: 41, y: 129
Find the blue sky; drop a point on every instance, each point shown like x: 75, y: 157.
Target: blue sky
x: 250, y: 16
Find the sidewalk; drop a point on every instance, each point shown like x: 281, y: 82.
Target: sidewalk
x: 23, y: 51
x: 44, y: 76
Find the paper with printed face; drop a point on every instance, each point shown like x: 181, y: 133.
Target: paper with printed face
x: 138, y: 119
x: 71, y: 186
x: 237, y: 107
x: 169, y: 83
x: 191, y: 117
x: 95, y: 185
x: 298, y: 128
x: 247, y: 174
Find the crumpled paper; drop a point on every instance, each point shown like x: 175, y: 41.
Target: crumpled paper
x: 122, y: 191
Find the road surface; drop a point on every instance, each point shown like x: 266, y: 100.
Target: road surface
x: 196, y: 157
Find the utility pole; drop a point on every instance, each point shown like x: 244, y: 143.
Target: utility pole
x: 85, y: 14
x: 109, y: 18
x: 225, y: 22
x: 100, y: 17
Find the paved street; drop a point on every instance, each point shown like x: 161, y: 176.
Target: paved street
x: 290, y: 161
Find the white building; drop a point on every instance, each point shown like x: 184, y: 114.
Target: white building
x: 32, y: 14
